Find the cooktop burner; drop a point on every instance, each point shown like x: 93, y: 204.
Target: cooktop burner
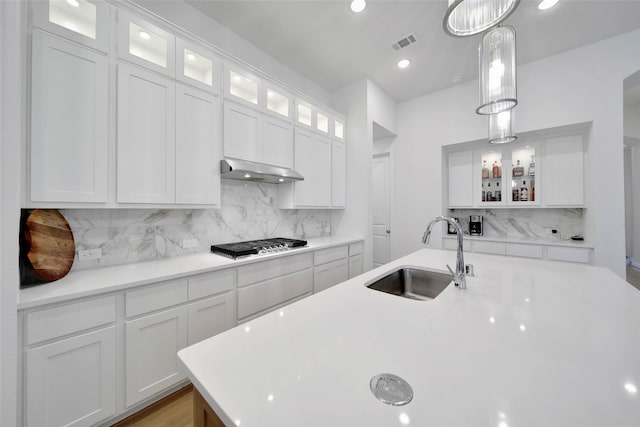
x: 257, y: 247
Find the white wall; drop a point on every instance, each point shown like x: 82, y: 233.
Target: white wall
x: 632, y: 121
x: 12, y: 42
x: 381, y: 108
x: 580, y: 85
x: 200, y: 25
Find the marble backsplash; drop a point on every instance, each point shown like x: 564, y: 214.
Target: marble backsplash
x: 526, y: 224
x: 249, y: 211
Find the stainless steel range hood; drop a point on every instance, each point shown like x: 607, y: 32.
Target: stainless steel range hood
x: 258, y: 172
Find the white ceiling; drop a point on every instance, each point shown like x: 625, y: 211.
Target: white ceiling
x: 332, y: 46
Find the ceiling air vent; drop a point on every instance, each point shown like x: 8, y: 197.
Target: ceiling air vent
x: 404, y: 42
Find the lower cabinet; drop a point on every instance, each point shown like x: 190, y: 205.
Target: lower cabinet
x: 355, y: 265
x: 327, y: 275
x: 72, y: 382
x: 211, y: 316
x: 151, y: 347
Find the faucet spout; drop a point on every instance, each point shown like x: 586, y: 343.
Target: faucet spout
x: 460, y: 273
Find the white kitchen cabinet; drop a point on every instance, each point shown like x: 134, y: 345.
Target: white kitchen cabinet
x: 355, y: 265
x: 564, y: 171
x: 331, y: 266
x: 211, y: 316
x: 559, y: 253
x: 197, y: 66
x: 84, y: 21
x: 330, y: 274
x: 151, y: 346
x: 69, y: 122
x: 198, y: 147
x: 338, y: 129
x: 242, y: 86
x: 277, y: 101
x: 277, y: 142
x: 460, y: 172
x: 72, y: 382
x: 242, y: 132
x: 145, y: 44
x: 322, y: 122
x: 305, y: 114
x: 146, y: 137
x: 312, y: 159
x: 523, y: 189
x: 338, y: 174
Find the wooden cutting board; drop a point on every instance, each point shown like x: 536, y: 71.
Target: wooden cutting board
x: 47, y: 247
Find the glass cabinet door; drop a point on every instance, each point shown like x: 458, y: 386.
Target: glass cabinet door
x: 278, y: 102
x: 523, y: 176
x: 197, y: 66
x: 83, y: 21
x: 242, y: 86
x: 492, y: 183
x: 322, y: 122
x: 338, y: 129
x: 304, y: 114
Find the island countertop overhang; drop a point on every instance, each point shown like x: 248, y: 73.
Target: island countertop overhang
x: 528, y: 343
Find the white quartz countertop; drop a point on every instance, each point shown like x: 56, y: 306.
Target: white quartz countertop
x: 528, y: 343
x: 95, y: 281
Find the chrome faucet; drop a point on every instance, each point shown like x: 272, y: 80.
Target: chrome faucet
x: 460, y: 273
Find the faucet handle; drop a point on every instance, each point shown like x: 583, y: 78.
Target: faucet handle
x: 451, y: 271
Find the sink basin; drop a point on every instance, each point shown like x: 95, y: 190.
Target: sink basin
x: 413, y: 283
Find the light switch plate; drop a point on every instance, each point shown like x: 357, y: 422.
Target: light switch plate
x: 89, y: 254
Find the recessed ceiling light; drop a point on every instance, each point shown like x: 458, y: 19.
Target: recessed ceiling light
x: 547, y: 4
x: 403, y: 63
x: 73, y: 3
x: 144, y: 35
x: 191, y: 56
x: 358, y: 5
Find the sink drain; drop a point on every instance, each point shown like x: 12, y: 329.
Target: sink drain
x: 391, y: 389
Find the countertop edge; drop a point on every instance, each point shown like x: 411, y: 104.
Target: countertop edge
x: 124, y: 276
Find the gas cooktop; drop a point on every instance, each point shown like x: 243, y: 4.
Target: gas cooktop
x: 257, y: 247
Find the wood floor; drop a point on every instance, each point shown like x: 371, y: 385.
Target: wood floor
x: 175, y: 410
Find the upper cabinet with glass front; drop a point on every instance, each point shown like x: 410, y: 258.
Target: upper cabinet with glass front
x: 84, y: 21
x: 305, y: 114
x: 197, y: 66
x: 338, y: 129
x: 145, y: 44
x: 523, y: 174
x: 278, y: 102
x: 242, y: 86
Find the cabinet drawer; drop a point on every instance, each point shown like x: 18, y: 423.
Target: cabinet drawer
x: 261, y: 296
x: 155, y: 297
x: 211, y: 284
x: 528, y: 251
x: 496, y: 248
x: 332, y: 254
x: 558, y: 253
x: 70, y: 318
x: 355, y: 266
x: 269, y: 269
x: 355, y: 248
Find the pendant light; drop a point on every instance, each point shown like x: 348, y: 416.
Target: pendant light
x: 468, y: 17
x: 497, y: 54
x: 501, y: 128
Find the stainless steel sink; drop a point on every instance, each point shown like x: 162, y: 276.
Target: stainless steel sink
x: 413, y: 283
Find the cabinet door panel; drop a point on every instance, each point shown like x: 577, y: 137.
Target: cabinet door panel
x: 322, y: 173
x: 152, y: 344
x: 564, y: 171
x: 69, y: 121
x: 198, y: 147
x: 242, y: 132
x: 304, y: 164
x: 277, y: 142
x: 211, y: 316
x: 338, y: 174
x: 146, y: 137
x: 461, y: 179
x: 72, y: 382
x: 355, y: 265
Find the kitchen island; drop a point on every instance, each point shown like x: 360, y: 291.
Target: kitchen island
x: 528, y: 343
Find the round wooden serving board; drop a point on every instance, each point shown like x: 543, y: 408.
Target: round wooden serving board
x: 47, y: 248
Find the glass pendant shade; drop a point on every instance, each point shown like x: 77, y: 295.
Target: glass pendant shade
x: 468, y: 17
x: 501, y: 128
x: 497, y: 54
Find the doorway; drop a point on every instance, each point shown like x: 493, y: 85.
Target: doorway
x: 631, y: 109
x: 381, y: 210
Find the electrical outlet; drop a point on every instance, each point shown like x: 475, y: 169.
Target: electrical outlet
x: 89, y: 254
x: 189, y: 243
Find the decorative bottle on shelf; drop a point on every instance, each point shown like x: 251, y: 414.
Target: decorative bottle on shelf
x: 518, y: 169
x: 489, y: 194
x: 498, y: 194
x: 496, y: 170
x: 524, y: 193
x: 515, y: 195
x: 532, y: 193
x: 532, y: 167
x: 485, y: 170
x: 484, y: 194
